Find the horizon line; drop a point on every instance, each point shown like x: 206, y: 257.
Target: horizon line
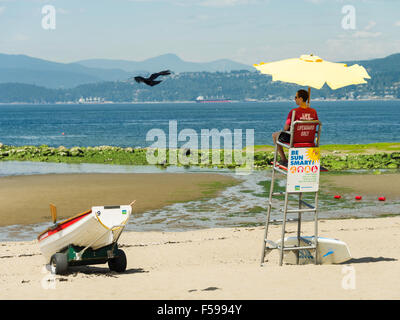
x: 172, y: 54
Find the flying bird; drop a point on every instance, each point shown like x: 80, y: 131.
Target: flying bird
x: 150, y: 81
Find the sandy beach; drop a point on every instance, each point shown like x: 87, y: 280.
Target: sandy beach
x: 216, y: 264
x: 222, y: 263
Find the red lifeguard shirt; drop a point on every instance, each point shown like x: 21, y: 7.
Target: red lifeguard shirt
x: 303, y: 132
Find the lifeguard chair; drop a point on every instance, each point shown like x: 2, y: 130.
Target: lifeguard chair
x: 302, y: 175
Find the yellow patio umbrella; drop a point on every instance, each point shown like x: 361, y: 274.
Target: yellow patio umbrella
x: 312, y: 71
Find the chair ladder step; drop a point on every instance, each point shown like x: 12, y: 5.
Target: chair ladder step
x: 281, y: 220
x: 279, y: 193
x: 300, y: 210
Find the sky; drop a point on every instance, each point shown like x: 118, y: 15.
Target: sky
x: 246, y: 31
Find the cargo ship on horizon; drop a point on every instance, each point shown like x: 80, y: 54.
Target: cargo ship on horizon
x: 200, y: 99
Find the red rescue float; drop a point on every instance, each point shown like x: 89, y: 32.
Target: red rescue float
x: 381, y: 198
x: 358, y: 197
x: 337, y: 196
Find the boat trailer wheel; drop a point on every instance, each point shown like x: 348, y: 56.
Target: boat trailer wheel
x: 118, y: 263
x: 58, y: 263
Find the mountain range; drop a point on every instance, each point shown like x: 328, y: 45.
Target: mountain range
x: 166, y: 61
x: 390, y: 63
x: 27, y: 79
x: 29, y: 70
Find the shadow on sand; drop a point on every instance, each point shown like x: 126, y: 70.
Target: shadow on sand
x: 368, y: 259
x: 98, y: 271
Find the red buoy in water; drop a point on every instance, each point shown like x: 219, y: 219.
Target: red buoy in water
x: 381, y: 198
x: 337, y: 196
x: 358, y: 197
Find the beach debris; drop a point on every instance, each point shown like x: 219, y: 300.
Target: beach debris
x: 20, y: 255
x: 150, y: 81
x: 381, y: 198
x: 28, y: 255
x: 25, y: 281
x: 210, y: 289
x: 358, y: 197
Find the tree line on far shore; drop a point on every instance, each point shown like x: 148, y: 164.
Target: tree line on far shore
x: 235, y: 85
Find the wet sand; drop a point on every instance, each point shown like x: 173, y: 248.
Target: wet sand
x: 26, y: 199
x: 217, y: 264
x: 387, y: 185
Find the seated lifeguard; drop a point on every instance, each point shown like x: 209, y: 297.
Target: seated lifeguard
x: 303, y: 133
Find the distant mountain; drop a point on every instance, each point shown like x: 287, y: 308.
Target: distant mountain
x: 40, y: 72
x: 388, y: 64
x: 166, y: 61
x: 29, y: 70
x: 109, y: 82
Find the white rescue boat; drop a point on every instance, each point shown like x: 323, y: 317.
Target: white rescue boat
x: 98, y: 227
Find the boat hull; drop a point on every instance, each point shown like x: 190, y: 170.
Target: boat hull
x: 212, y: 101
x: 96, y: 228
x: 330, y: 251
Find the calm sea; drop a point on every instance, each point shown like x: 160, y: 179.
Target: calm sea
x: 127, y: 125
x: 344, y: 122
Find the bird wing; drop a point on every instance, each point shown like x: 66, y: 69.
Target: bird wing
x: 161, y: 73
x: 165, y: 73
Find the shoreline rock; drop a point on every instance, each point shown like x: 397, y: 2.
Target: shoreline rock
x: 137, y: 156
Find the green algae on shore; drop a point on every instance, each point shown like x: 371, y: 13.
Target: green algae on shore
x: 333, y: 157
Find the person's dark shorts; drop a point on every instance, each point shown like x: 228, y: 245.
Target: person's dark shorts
x: 284, y: 137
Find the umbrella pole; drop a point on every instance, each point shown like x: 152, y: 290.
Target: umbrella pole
x: 309, y: 96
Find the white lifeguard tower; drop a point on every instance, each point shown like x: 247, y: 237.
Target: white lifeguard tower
x: 302, y: 176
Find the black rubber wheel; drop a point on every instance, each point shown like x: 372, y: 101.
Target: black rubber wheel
x: 59, y: 263
x: 118, y: 263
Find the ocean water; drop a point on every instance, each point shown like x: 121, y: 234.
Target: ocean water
x: 343, y: 122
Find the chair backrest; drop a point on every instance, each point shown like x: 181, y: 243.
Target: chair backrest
x: 303, y: 132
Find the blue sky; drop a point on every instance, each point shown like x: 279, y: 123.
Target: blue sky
x: 247, y: 31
